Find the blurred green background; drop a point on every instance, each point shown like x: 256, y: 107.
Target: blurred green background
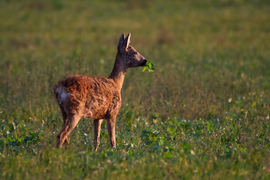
x: 212, y: 61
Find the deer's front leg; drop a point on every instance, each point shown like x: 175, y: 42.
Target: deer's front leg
x: 111, y: 130
x: 97, y: 127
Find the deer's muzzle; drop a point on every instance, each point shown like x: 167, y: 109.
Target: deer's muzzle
x: 144, y: 62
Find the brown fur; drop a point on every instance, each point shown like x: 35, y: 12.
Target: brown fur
x: 93, y: 97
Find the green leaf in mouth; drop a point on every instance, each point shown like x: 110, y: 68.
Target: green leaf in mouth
x: 148, y: 66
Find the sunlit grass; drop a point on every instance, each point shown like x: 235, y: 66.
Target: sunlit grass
x: 202, y: 114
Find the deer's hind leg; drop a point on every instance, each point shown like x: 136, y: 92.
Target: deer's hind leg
x: 65, y: 116
x: 97, y: 127
x: 70, y: 124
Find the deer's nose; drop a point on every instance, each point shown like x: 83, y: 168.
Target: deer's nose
x: 144, y: 62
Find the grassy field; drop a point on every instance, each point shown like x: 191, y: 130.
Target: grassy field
x: 202, y: 114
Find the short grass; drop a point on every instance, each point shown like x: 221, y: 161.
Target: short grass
x: 202, y: 114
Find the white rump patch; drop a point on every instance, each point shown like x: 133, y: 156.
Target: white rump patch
x: 62, y: 95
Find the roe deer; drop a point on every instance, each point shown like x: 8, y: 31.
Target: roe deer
x: 96, y: 97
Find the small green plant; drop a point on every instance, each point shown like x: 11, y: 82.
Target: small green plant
x: 148, y: 66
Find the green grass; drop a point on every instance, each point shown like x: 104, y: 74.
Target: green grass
x: 202, y: 114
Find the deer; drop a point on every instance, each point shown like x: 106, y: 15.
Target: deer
x: 96, y: 98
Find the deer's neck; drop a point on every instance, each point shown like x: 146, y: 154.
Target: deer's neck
x: 118, y: 72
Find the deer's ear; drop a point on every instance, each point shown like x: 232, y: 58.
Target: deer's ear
x: 127, y: 41
x: 122, y: 47
x: 121, y: 39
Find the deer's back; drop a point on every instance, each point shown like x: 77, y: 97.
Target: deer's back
x: 92, y: 97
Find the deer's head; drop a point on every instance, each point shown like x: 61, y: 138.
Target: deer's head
x: 129, y: 55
